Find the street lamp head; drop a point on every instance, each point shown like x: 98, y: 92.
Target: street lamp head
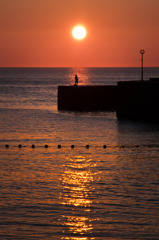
x: 142, y: 51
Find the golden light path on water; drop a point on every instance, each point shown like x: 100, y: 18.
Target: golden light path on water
x: 76, y: 192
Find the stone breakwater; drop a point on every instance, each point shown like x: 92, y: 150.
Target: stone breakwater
x: 134, y: 100
x: 87, y: 98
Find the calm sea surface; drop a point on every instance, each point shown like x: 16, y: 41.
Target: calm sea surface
x: 74, y: 193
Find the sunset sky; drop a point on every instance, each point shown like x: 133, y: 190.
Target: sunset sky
x: 38, y: 33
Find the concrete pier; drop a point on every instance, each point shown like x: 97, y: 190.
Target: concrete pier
x: 133, y: 100
x: 138, y: 100
x: 87, y: 98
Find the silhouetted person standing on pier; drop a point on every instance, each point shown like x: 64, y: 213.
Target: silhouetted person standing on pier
x: 76, y: 80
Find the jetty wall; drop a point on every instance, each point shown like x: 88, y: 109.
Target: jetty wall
x: 87, y: 98
x: 138, y: 100
x: 133, y: 100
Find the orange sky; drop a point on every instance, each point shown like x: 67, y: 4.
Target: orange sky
x: 38, y: 33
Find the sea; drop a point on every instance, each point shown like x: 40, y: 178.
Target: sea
x: 74, y: 175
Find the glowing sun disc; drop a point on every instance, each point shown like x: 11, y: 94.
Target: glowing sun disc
x: 79, y: 32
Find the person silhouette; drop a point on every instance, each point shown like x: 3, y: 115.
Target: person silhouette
x: 76, y: 80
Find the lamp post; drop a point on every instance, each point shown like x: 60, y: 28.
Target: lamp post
x: 142, y: 51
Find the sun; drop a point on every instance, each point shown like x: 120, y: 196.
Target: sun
x: 79, y: 32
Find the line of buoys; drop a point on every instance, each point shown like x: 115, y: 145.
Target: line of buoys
x: 46, y: 146
x: 58, y: 146
x: 86, y: 146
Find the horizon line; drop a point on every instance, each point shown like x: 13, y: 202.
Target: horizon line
x: 76, y: 67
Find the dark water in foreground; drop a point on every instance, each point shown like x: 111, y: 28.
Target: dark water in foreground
x: 74, y: 193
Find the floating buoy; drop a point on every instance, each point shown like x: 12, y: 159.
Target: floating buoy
x: 46, y: 146
x: 33, y: 146
x: 19, y: 146
x: 7, y: 146
x: 104, y: 146
x: 87, y: 146
x: 59, y: 146
x: 72, y: 146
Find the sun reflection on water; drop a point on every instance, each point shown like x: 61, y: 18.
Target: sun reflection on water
x: 76, y: 191
x: 78, y: 225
